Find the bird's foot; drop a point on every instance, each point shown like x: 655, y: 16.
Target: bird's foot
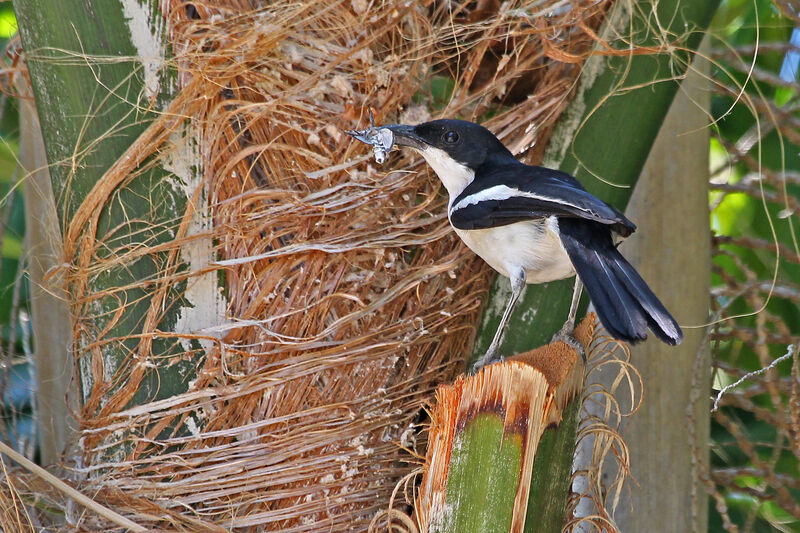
x: 565, y: 335
x: 491, y: 356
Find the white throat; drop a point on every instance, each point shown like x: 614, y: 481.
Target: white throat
x: 455, y: 176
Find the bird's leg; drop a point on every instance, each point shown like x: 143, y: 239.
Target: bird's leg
x: 517, y: 284
x: 565, y: 333
x: 569, y: 325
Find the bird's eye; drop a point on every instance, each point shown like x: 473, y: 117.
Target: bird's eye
x: 451, y: 137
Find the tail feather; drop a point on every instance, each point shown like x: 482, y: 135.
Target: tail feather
x: 625, y: 304
x: 661, y: 323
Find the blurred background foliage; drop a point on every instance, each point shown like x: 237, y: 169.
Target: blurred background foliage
x: 754, y: 192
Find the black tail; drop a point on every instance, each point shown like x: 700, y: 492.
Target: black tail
x: 624, y: 302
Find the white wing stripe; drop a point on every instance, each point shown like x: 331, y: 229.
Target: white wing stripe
x: 504, y: 192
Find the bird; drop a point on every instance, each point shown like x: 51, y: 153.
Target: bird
x: 533, y: 225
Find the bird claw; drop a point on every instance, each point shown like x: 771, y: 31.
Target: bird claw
x: 565, y: 335
x: 490, y: 357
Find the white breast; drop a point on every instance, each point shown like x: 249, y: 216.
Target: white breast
x: 533, y: 246
x: 455, y: 176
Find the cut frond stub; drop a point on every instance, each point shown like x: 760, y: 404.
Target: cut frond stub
x: 484, y: 436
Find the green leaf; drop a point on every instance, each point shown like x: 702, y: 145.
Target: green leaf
x: 734, y: 214
x: 12, y: 247
x: 783, y: 95
x: 8, y: 22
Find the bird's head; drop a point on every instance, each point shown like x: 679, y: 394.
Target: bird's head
x: 455, y: 149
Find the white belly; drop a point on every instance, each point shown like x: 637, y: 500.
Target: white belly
x: 533, y: 246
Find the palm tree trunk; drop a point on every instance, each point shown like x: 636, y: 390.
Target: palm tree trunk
x: 668, y: 436
x: 52, y: 336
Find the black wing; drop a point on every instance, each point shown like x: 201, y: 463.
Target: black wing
x: 517, y: 192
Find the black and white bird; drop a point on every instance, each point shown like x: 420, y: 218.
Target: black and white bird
x: 535, y: 225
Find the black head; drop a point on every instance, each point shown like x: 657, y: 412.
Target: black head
x: 466, y: 142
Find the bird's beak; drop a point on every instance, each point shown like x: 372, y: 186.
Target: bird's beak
x: 405, y: 136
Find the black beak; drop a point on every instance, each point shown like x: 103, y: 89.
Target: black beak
x: 406, y: 136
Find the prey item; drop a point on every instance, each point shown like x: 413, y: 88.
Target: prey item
x: 381, y: 140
